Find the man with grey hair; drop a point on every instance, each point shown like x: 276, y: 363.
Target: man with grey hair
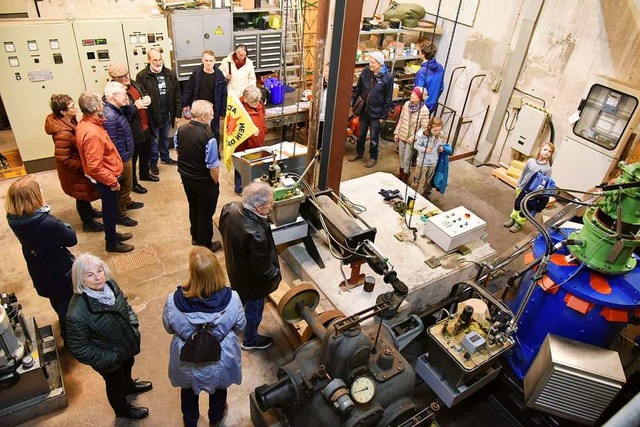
x: 198, y: 166
x: 251, y: 257
x: 117, y: 126
x: 165, y: 108
x: 103, y: 165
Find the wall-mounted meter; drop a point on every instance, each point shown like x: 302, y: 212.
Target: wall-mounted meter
x: 608, y: 117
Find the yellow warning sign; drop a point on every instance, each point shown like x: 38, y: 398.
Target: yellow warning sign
x: 218, y: 31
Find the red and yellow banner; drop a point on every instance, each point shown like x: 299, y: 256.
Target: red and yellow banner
x: 237, y: 127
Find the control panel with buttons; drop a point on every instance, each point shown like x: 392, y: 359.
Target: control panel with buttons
x: 454, y: 228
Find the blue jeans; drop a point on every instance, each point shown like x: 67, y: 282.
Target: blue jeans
x: 160, y: 143
x: 237, y: 181
x: 191, y: 409
x: 109, y: 212
x: 253, y: 309
x: 366, y: 123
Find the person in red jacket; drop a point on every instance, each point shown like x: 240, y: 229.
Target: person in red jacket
x: 102, y: 164
x: 252, y: 102
x: 61, y: 125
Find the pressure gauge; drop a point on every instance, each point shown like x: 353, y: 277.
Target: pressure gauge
x: 363, y: 389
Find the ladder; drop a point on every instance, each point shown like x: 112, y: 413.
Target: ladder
x: 293, y: 40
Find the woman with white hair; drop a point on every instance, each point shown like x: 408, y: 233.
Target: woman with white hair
x: 102, y: 332
x: 252, y: 102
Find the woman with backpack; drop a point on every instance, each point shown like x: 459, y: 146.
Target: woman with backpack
x: 204, y: 306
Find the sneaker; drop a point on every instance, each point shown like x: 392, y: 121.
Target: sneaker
x: 149, y: 177
x: 126, y: 221
x: 515, y: 228
x: 95, y: 213
x: 509, y: 222
x: 138, y: 189
x: 371, y: 163
x: 135, y: 205
x: 354, y: 157
x: 123, y: 237
x: 169, y: 161
x: 216, y: 246
x: 92, y: 226
x: 261, y: 343
x: 154, y: 170
x: 119, y: 247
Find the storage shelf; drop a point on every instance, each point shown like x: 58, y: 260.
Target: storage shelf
x: 264, y: 9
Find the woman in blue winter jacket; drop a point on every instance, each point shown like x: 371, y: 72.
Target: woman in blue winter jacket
x: 205, y: 298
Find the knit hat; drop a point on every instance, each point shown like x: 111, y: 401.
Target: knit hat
x: 378, y: 56
x: 117, y: 70
x: 420, y: 92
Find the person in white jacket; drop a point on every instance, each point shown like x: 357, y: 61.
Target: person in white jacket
x: 238, y: 70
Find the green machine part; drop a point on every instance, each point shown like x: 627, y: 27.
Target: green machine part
x: 609, y: 241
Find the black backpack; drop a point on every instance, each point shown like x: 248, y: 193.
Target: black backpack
x: 202, y: 346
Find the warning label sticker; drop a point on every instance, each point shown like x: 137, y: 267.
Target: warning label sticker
x: 218, y: 31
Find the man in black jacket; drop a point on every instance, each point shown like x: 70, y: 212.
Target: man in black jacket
x: 375, y: 87
x: 138, y: 118
x: 207, y: 82
x: 251, y: 257
x: 198, y: 165
x: 166, y: 105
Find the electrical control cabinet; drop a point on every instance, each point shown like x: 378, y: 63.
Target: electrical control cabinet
x: 140, y: 35
x: 194, y: 31
x: 454, y: 228
x: 37, y: 60
x: 606, y: 124
x: 525, y: 138
x: 99, y: 44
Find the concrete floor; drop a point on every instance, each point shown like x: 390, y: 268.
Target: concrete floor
x: 159, y: 263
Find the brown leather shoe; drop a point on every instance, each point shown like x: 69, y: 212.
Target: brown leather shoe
x: 354, y: 157
x: 370, y: 163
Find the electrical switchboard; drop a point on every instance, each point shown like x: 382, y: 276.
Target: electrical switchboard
x: 140, y: 35
x: 99, y: 44
x: 36, y: 61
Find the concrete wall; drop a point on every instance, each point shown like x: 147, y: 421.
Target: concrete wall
x: 573, y: 41
x: 82, y: 9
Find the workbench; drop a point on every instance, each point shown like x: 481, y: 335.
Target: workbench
x: 255, y: 162
x: 292, y: 112
x: 427, y: 285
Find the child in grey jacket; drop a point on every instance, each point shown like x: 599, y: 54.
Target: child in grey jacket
x: 429, y: 146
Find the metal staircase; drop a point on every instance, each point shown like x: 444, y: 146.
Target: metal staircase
x: 293, y: 39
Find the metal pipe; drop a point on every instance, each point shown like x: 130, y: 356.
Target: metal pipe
x: 314, y: 323
x: 446, y: 96
x: 464, y: 107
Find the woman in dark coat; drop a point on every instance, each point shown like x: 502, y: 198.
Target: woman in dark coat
x: 61, y: 125
x: 102, y: 332
x: 44, y: 239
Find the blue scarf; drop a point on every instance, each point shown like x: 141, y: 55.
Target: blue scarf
x: 104, y: 296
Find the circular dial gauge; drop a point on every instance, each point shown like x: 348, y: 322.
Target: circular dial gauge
x: 363, y: 389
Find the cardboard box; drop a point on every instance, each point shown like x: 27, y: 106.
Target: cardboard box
x: 247, y: 4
